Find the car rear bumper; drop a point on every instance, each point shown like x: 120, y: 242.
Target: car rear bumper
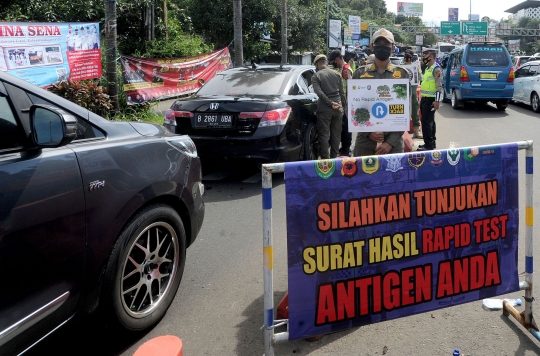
x: 268, y: 149
x: 469, y: 92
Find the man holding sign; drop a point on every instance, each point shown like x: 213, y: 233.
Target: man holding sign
x: 378, y: 143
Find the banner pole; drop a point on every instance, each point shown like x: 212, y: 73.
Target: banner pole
x: 529, y: 219
x: 268, y: 262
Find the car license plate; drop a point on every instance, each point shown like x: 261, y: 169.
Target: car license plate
x: 210, y: 120
x: 488, y: 75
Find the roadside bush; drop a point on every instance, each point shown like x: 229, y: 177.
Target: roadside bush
x: 86, y: 93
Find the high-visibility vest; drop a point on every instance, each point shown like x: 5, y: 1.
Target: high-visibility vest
x: 429, y: 87
x: 340, y: 71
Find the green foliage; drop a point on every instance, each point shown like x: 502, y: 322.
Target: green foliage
x: 144, y: 112
x: 86, y: 93
x: 361, y: 115
x: 400, y: 90
x: 52, y: 11
x: 213, y: 21
x: 306, y: 26
x: 180, y: 45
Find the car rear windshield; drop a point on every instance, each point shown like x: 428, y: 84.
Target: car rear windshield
x: 246, y: 82
x: 486, y: 55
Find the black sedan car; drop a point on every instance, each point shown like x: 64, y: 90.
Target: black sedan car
x: 262, y: 112
x: 94, y: 216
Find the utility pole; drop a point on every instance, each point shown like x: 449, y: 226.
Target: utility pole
x: 284, y: 46
x: 238, y: 46
x: 110, y: 52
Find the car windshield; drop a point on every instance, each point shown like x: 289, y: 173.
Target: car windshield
x: 246, y: 82
x: 524, y: 60
x: 486, y: 55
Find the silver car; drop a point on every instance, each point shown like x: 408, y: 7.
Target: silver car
x: 527, y: 85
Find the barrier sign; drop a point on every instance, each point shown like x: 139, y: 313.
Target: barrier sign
x: 376, y: 238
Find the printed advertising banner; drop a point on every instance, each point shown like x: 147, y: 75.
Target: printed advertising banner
x: 48, y: 53
x: 376, y: 238
x: 410, y: 8
x: 453, y: 14
x: 335, y: 34
x: 513, y: 45
x: 354, y: 24
x: 147, y: 79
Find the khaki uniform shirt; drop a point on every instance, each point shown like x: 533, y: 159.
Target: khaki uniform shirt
x: 328, y: 86
x: 370, y: 72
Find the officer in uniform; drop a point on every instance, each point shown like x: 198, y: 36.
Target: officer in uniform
x: 328, y: 86
x: 431, y: 92
x: 377, y: 143
x: 414, y: 98
x: 343, y: 68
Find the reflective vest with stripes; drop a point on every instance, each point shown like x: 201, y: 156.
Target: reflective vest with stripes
x: 340, y: 71
x: 429, y: 87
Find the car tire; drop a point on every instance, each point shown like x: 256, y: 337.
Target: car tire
x: 456, y: 104
x: 311, y: 143
x: 145, y: 269
x: 535, y: 102
x: 501, y: 106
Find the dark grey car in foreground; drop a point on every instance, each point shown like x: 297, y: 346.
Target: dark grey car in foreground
x: 94, y: 216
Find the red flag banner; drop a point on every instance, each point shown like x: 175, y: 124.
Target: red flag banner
x: 149, y: 79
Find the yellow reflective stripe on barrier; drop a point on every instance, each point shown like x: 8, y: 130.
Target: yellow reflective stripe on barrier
x: 268, y: 253
x: 529, y: 211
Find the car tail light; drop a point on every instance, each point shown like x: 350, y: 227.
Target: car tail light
x: 172, y: 115
x: 463, y: 75
x: 251, y: 115
x: 511, y: 76
x: 275, y: 117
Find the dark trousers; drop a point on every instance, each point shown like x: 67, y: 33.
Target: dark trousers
x: 428, y: 122
x: 329, y: 127
x: 346, y: 136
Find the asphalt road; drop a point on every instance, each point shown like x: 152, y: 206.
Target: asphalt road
x: 218, y: 309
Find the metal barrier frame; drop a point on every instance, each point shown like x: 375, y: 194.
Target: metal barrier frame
x: 270, y: 338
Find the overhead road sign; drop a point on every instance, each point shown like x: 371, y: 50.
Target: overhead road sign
x: 473, y: 28
x: 450, y: 28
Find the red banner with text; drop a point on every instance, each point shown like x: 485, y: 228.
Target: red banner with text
x: 148, y: 79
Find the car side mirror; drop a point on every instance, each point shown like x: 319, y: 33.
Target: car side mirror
x: 52, y: 127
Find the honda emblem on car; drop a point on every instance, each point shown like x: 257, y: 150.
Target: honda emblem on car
x: 214, y: 106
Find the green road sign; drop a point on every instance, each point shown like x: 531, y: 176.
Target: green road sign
x: 474, y: 28
x: 450, y: 28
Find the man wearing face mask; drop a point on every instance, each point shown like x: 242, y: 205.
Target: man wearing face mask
x: 378, y: 143
x: 431, y: 92
x: 328, y: 86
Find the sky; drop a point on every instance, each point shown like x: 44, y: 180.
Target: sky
x: 436, y: 11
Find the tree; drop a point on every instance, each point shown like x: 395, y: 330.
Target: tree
x: 213, y: 20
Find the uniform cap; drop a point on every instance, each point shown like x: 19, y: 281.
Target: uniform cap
x: 429, y: 50
x: 318, y: 58
x: 384, y: 33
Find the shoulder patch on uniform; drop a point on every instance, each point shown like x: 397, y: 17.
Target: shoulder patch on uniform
x: 397, y: 74
x: 366, y: 75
